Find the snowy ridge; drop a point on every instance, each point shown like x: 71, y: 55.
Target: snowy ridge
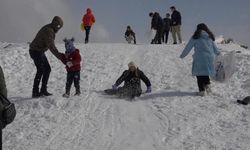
x: 171, y: 117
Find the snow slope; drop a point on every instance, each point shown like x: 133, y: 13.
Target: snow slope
x: 170, y: 118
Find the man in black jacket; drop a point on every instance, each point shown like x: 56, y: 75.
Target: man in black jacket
x: 132, y: 82
x: 176, y: 24
x: 156, y: 24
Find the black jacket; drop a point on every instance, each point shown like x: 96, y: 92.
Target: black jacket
x: 175, y: 18
x: 157, y: 22
x: 128, y: 75
x: 167, y: 22
x: 130, y: 32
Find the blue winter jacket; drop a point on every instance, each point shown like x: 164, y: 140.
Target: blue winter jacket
x: 204, y: 55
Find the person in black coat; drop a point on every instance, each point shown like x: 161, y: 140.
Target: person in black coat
x: 130, y: 35
x: 175, y: 24
x: 3, y: 92
x: 156, y: 24
x: 166, y: 28
x: 132, y: 82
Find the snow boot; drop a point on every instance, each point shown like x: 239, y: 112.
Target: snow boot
x: 66, y: 95
x: 208, y: 88
x: 35, y: 93
x: 78, y: 92
x: 201, y: 93
x: 44, y: 92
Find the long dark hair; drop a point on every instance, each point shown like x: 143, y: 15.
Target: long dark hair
x: 200, y: 27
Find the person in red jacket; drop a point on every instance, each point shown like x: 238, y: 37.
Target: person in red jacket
x: 72, y: 60
x: 88, y: 20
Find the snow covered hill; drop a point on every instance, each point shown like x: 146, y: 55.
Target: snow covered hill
x: 170, y: 118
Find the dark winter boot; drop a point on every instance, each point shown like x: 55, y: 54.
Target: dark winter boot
x: 44, y: 92
x: 35, y: 93
x: 78, y: 92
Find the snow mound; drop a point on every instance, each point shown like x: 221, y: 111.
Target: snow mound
x: 171, y: 117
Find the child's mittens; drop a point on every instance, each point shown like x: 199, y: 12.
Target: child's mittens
x: 69, y: 64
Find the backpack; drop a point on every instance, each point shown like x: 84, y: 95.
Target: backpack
x: 8, y: 111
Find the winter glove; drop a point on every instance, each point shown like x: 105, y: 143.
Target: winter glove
x: 69, y: 64
x: 114, y: 87
x: 149, y: 90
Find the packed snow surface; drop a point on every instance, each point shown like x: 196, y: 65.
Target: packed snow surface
x: 172, y: 117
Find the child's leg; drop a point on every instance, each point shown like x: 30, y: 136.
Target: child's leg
x: 77, y: 82
x: 70, y: 78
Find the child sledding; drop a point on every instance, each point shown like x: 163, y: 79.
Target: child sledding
x: 132, y: 83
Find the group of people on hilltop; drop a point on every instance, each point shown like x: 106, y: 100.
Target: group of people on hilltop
x: 166, y: 25
x: 171, y: 23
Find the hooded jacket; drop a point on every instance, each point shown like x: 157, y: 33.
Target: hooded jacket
x: 45, y: 38
x: 204, y: 55
x: 88, y: 19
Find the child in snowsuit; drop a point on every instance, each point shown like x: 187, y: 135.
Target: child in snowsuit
x: 205, y: 51
x: 88, y: 20
x: 132, y: 82
x: 72, y: 60
x: 130, y: 35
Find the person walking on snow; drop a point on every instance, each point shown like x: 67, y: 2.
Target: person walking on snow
x: 205, y: 51
x: 72, y: 60
x: 130, y: 35
x: 88, y: 20
x: 43, y: 41
x: 175, y: 24
x: 132, y: 82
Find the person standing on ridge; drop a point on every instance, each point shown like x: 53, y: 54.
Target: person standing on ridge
x: 88, y: 20
x: 156, y: 24
x: 166, y: 28
x: 175, y: 24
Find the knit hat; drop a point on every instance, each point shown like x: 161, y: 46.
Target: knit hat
x: 132, y: 64
x: 69, y: 45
